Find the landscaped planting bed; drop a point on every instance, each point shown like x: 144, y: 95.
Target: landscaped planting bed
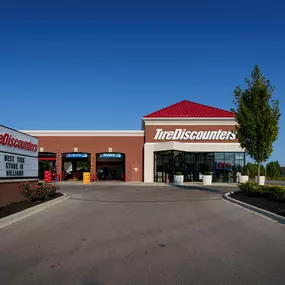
x: 270, y: 198
x: 33, y: 195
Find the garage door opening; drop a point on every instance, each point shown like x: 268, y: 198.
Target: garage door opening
x: 46, y: 163
x: 74, y: 164
x: 110, y: 166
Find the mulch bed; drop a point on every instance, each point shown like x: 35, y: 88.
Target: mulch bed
x: 273, y: 205
x: 16, y: 207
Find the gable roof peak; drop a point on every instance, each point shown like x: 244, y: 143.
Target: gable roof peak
x: 189, y: 109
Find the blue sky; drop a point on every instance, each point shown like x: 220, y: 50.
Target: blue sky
x: 103, y: 65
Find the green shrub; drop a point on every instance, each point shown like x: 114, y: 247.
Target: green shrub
x: 178, y: 173
x: 248, y: 187
x: 275, y: 191
x: 276, y: 178
x: 266, y: 190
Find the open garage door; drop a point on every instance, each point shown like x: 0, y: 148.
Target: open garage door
x: 46, y: 163
x: 74, y: 164
x: 110, y: 166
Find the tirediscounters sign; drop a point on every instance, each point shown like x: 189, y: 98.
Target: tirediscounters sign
x: 183, y: 134
x: 18, y: 154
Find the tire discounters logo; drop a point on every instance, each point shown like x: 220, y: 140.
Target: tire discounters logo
x: 10, y: 141
x: 183, y: 134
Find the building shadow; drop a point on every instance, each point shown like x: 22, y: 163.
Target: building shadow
x: 200, y: 188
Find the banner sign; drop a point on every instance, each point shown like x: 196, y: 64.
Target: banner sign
x: 110, y: 155
x: 183, y: 134
x: 76, y: 155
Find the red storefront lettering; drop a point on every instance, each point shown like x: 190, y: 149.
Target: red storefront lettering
x: 9, y: 140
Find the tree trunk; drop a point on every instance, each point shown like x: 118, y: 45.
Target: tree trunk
x: 265, y: 172
x: 258, y: 173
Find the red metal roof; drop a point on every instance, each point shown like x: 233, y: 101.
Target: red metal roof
x: 190, y: 109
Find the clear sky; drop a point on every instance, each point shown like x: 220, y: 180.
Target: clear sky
x: 105, y: 64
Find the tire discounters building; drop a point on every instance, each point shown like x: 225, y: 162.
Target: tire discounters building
x: 18, y: 162
x: 186, y: 137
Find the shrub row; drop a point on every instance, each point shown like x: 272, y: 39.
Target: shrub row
x: 41, y: 191
x: 282, y: 178
x: 266, y: 190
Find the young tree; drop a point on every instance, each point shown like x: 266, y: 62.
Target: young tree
x: 257, y: 117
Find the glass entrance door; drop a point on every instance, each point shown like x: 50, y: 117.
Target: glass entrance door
x: 191, y: 167
x: 163, y: 166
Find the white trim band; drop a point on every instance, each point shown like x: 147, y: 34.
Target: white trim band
x: 189, y: 121
x: 85, y: 133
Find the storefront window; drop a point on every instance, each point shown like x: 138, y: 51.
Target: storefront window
x: 219, y: 160
x: 227, y: 164
x: 206, y: 162
x: 219, y: 166
x: 193, y: 165
x: 239, y: 160
x: 229, y: 160
x: 239, y: 155
x: 178, y: 162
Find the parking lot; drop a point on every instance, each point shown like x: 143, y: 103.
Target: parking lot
x: 117, y: 234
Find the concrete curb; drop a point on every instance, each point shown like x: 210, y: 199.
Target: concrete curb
x: 272, y: 216
x: 31, y: 211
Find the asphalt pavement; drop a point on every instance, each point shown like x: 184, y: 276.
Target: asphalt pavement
x: 275, y: 182
x: 132, y: 235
